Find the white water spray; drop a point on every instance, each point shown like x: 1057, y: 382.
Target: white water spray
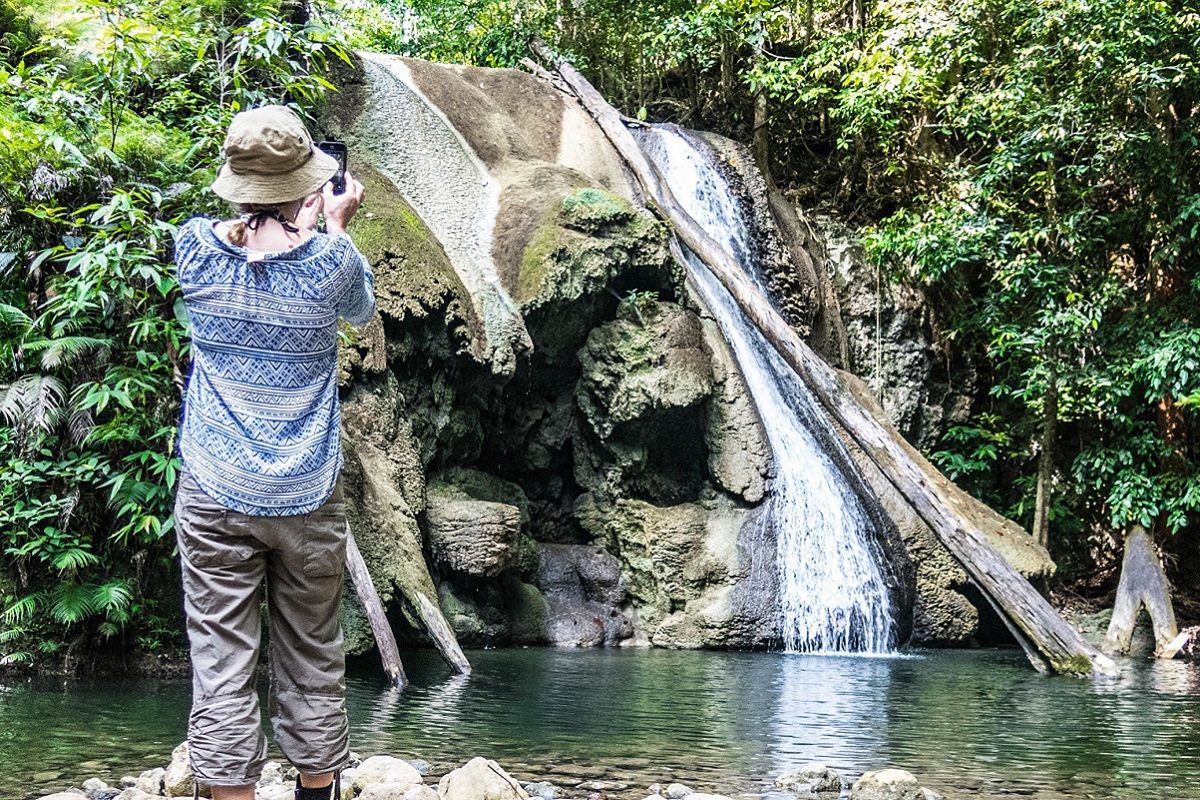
x: 832, y: 591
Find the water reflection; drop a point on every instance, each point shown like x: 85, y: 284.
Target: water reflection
x: 969, y: 724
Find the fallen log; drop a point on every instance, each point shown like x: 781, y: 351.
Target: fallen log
x: 385, y: 640
x: 1048, y: 640
x: 1143, y: 583
x: 397, y: 540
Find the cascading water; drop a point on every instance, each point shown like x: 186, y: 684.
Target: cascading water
x: 832, y: 589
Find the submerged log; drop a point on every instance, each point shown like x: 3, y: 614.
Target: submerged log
x: 1143, y: 584
x: 385, y: 640
x: 954, y: 516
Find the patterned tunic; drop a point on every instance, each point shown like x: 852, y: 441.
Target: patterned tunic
x: 261, y: 430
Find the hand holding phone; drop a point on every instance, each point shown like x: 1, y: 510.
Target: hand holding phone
x: 338, y: 151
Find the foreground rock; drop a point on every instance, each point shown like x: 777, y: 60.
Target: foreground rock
x: 383, y: 777
x: 480, y: 779
x: 887, y: 784
x: 809, y: 779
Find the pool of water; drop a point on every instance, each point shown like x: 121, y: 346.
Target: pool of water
x: 967, y: 723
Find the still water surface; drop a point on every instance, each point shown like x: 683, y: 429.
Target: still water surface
x: 968, y: 724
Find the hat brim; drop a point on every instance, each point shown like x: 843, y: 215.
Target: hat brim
x: 259, y: 189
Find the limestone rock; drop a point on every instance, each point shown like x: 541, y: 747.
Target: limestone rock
x: 678, y: 791
x: 887, y: 784
x: 689, y: 570
x: 386, y: 770
x: 422, y: 792
x: 586, y: 601
x: 475, y: 537
x: 272, y: 774
x: 74, y: 794
x: 274, y: 791
x: 542, y: 790
x: 930, y: 794
x: 177, y: 780
x: 480, y: 779
x: 810, y: 778
x: 109, y: 793
x: 93, y: 785
x: 739, y: 455
x: 134, y: 793
x: 151, y: 782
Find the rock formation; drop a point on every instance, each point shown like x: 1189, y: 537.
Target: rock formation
x: 544, y: 428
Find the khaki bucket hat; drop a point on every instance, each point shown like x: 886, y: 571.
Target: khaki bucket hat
x: 270, y: 158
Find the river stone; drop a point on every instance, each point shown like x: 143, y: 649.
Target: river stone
x: 106, y: 794
x: 420, y: 765
x: 387, y: 770
x: 70, y: 794
x: 151, y: 782
x: 601, y: 786
x: 127, y: 781
x: 272, y: 774
x: 813, y: 777
x: 134, y: 793
x: 703, y: 796
x: 480, y: 779
x: 543, y: 790
x: 93, y: 785
x: 677, y: 791
x: 930, y: 794
x: 422, y: 792
x: 177, y: 780
x: 275, y: 791
x: 887, y: 784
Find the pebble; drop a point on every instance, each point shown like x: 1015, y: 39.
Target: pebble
x: 677, y: 791
x: 543, y: 790
x: 106, y: 794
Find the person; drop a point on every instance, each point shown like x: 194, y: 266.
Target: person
x: 259, y: 501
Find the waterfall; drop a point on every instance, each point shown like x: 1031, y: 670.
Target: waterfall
x: 833, y: 594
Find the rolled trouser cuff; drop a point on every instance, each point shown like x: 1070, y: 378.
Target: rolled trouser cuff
x: 226, y: 745
x: 311, y: 729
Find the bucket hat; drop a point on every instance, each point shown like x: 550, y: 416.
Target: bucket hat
x: 270, y: 158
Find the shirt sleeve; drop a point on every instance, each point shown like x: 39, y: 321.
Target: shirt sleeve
x: 354, y: 288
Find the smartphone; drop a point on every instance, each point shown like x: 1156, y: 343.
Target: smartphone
x: 338, y: 151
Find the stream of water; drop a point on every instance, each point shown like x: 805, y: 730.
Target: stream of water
x: 832, y: 592
x: 970, y: 724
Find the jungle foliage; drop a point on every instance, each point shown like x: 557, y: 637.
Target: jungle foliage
x: 111, y: 118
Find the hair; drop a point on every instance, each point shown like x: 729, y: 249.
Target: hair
x: 252, y: 215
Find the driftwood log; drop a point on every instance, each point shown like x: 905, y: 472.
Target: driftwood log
x: 1143, y: 583
x: 1049, y: 641
x: 385, y: 640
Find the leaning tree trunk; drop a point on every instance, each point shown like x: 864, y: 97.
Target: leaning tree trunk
x: 1143, y: 584
x: 953, y: 515
x: 364, y: 587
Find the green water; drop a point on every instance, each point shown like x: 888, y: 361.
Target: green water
x: 968, y: 724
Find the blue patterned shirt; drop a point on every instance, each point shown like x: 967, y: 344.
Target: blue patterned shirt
x: 261, y: 429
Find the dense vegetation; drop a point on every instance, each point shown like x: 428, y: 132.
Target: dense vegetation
x: 1033, y: 164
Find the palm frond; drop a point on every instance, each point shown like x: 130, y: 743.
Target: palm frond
x: 62, y: 350
x: 33, y: 400
x: 13, y: 317
x: 22, y: 609
x: 74, y: 558
x: 72, y: 602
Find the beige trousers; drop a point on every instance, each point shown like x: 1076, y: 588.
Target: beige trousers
x: 227, y: 558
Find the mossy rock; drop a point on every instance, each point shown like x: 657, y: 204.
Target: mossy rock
x: 582, y: 243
